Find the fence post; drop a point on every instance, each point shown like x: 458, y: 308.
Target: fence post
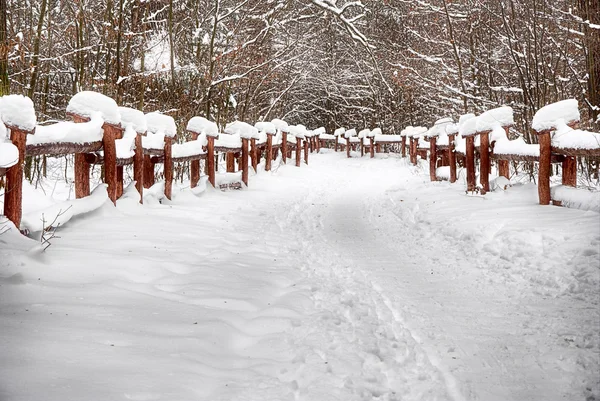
x: 298, y: 150
x: 452, y: 157
x: 210, y: 159
x: 284, y: 147
x: 484, y: 161
x: 194, y: 166
x: 13, y: 192
x: 245, y: 161
x: 470, y: 162
x: 269, y: 152
x: 148, y: 171
x: 81, y: 167
x: 306, y: 143
x: 111, y: 133
x: 544, y: 166
x: 403, y: 146
x: 168, y: 167
x: 569, y: 171
x: 138, y: 166
x: 432, y: 158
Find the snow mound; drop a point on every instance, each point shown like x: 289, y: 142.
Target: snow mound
x: 9, y: 154
x: 159, y: 123
x: 547, y: 116
x: 576, y: 198
x: 567, y: 138
x: 69, y: 132
x: 18, y: 111
x: 134, y: 118
x: 350, y: 133
x: 339, y: 131
x: 242, y: 129
x: 498, y: 117
x: 280, y: 125
x: 201, y: 125
x: 87, y: 103
x: 266, y: 127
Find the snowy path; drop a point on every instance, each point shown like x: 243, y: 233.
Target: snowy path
x: 346, y: 280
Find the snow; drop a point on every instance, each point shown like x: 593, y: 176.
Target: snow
x: 134, y: 118
x: 376, y: 131
x: 280, y: 125
x: 576, y: 198
x: 162, y: 124
x: 327, y: 137
x: 439, y: 128
x: 567, y: 138
x: 443, y: 173
x: 9, y: 154
x: 339, y: 131
x: 465, y: 117
x: 87, y: 103
x: 347, y: 279
x: 126, y: 145
x: 69, y: 132
x: 546, y: 118
x: 350, y: 133
x: 61, y: 212
x: 228, y: 178
x: 230, y: 141
x: 266, y: 127
x: 365, y: 133
x: 388, y: 138
x: 153, y: 141
x: 298, y: 131
x: 320, y: 131
x: 501, y: 116
x: 190, y: 148
x: 242, y: 129
x: 468, y: 127
x: 516, y: 147
x: 18, y: 111
x: 201, y: 125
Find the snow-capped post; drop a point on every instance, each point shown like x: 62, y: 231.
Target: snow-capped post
x: 81, y: 107
x: 545, y: 121
x: 503, y: 165
x: 164, y: 126
x: 468, y: 130
x: 490, y: 122
x: 283, y: 128
x: 18, y: 114
x: 337, y: 133
x: 136, y: 120
x: 306, y: 142
x: 270, y: 129
x: 200, y: 126
x: 349, y: 134
x: 254, y: 154
x: 484, y: 161
x: 246, y: 132
x: 452, y: 157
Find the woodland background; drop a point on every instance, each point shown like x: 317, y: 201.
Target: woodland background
x: 386, y: 63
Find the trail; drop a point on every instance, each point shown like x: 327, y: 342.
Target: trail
x: 349, y: 279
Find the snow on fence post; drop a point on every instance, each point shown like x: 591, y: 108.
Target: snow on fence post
x: 349, y: 134
x: 452, y: 157
x: 468, y: 130
x: 337, y: 133
x: 544, y: 122
x: 137, y: 121
x: 18, y: 115
x: 201, y: 126
x: 81, y: 166
x: 164, y: 126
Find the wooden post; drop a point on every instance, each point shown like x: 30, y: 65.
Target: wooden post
x: 348, y: 147
x: 245, y: 161
x: 569, y: 171
x: 378, y: 148
x: 544, y: 166
x: 120, y: 179
x: 210, y: 159
x: 298, y: 150
x: 503, y: 165
x: 269, y: 152
x: 372, y: 147
x: 318, y: 143
x: 403, y: 146
x: 336, y: 142
x: 13, y: 192
x: 138, y: 166
x: 230, y: 159
x: 284, y: 147
x: 148, y: 172
x: 111, y: 133
x: 168, y: 167
x: 82, y: 167
x: 484, y: 162
x: 452, y: 158
x: 194, y: 166
x: 306, y: 143
x: 470, y: 163
x: 253, y: 155
x: 432, y: 158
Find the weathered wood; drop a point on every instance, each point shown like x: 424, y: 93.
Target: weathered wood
x: 348, y: 149
x: 13, y: 192
x: 120, y: 178
x: 210, y: 159
x: 544, y: 167
x: 245, y: 161
x: 168, y: 167
x: 269, y: 156
x: 148, y: 172
x: 372, y: 147
x: 194, y: 166
x: 111, y: 134
x: 576, y: 152
x: 318, y: 144
x: 470, y: 163
x: 306, y: 152
x: 284, y: 148
x: 298, y: 151
x: 81, y: 166
x: 253, y: 155
x: 61, y: 149
x: 154, y: 152
x: 230, y: 160
x: 452, y: 157
x: 336, y: 143
x: 432, y: 159
x: 138, y: 166
x: 569, y: 171
x: 403, y: 144
x: 2, y: 171
x: 377, y: 148
x: 484, y: 162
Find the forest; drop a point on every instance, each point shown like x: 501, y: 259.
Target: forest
x: 331, y: 63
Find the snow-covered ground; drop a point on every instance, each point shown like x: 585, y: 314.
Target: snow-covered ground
x: 348, y: 279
